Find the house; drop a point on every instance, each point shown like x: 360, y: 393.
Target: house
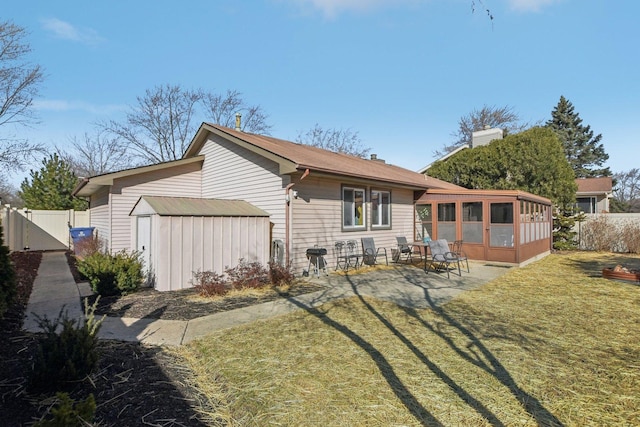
x: 234, y: 194
x: 311, y: 196
x: 593, y: 194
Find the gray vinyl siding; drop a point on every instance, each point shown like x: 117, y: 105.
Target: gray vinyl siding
x: 232, y: 172
x: 180, y: 181
x: 317, y: 218
x: 100, y: 215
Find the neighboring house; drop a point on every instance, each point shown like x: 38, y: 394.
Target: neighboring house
x: 593, y: 194
x: 478, y: 138
x: 311, y: 196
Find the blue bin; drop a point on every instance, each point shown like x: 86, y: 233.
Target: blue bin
x: 78, y: 234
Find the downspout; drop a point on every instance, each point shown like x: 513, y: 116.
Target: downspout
x: 287, y: 218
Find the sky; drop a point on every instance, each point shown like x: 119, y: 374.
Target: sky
x: 400, y: 73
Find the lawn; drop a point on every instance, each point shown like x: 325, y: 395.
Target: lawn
x: 552, y: 343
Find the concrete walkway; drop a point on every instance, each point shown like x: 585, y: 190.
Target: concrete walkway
x: 404, y: 285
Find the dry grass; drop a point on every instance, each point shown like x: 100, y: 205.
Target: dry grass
x: 552, y: 343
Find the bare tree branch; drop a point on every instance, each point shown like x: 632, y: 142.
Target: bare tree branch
x: 337, y: 140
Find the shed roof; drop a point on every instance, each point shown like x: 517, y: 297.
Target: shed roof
x: 294, y: 157
x: 187, y: 206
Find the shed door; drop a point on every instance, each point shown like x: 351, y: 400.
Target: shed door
x: 143, y: 239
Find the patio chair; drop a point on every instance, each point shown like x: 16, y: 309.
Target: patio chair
x: 370, y: 253
x: 340, y: 252
x: 456, y: 248
x: 403, y: 249
x: 441, y: 257
x: 353, y: 254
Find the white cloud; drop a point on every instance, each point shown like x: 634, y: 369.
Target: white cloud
x: 530, y: 5
x: 61, y: 105
x: 66, y: 31
x: 331, y: 8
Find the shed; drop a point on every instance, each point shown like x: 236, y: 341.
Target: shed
x: 508, y: 226
x: 178, y: 236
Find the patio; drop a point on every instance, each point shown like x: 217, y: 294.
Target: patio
x: 408, y: 285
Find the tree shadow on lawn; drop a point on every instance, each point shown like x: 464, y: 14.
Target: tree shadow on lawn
x: 418, y: 411
x: 594, y: 265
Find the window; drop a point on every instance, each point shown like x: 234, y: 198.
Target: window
x: 586, y: 204
x: 472, y: 226
x: 501, y: 228
x: 380, y: 208
x: 353, y: 210
x: 425, y: 219
x: 447, y: 221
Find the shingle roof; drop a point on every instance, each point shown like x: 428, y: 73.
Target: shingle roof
x: 187, y: 206
x: 595, y: 185
x: 320, y: 160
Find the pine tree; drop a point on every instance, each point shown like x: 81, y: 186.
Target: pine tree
x: 584, y: 151
x: 51, y: 187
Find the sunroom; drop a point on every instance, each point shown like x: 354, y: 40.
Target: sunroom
x: 506, y: 226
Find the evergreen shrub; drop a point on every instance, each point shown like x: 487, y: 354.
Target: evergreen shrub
x: 112, y: 274
x: 69, y: 413
x: 67, y: 356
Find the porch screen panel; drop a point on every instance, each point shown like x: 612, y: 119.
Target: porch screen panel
x: 472, y: 222
x: 447, y: 221
x: 424, y: 214
x: 501, y: 228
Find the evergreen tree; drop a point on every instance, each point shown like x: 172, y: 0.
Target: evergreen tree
x: 7, y: 277
x: 583, y: 150
x: 531, y: 161
x: 51, y: 187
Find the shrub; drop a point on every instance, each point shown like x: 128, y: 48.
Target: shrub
x: 68, y: 356
x: 247, y: 275
x: 8, y: 287
x: 630, y: 236
x: 88, y: 246
x: 68, y: 413
x: 244, y: 275
x: 112, y: 274
x: 280, y: 275
x: 210, y: 283
x: 599, y: 234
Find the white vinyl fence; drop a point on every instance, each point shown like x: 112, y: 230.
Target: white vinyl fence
x: 39, y: 229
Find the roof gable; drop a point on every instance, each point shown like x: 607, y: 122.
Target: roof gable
x: 294, y: 157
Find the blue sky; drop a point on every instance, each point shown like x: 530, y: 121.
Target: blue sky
x: 399, y: 72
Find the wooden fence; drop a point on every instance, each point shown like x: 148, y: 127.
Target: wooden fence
x: 26, y: 229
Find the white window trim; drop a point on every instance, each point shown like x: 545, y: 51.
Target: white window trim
x: 353, y: 218
x: 380, y: 216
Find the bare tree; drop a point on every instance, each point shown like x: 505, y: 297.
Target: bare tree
x: 627, y: 189
x: 160, y: 127
x: 19, y: 81
x: 502, y: 117
x: 222, y: 110
x: 9, y: 195
x: 96, y: 155
x: 337, y: 140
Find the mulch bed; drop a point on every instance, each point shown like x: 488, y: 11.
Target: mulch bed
x: 134, y: 384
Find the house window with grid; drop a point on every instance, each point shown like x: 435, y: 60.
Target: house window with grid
x: 380, y: 209
x: 586, y: 204
x: 353, y: 208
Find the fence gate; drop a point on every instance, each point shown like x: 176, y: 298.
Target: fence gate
x: 26, y: 229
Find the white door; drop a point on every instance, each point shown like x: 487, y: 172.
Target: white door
x: 143, y: 240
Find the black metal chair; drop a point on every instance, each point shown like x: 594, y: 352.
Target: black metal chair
x: 456, y: 248
x: 370, y: 253
x: 403, y: 249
